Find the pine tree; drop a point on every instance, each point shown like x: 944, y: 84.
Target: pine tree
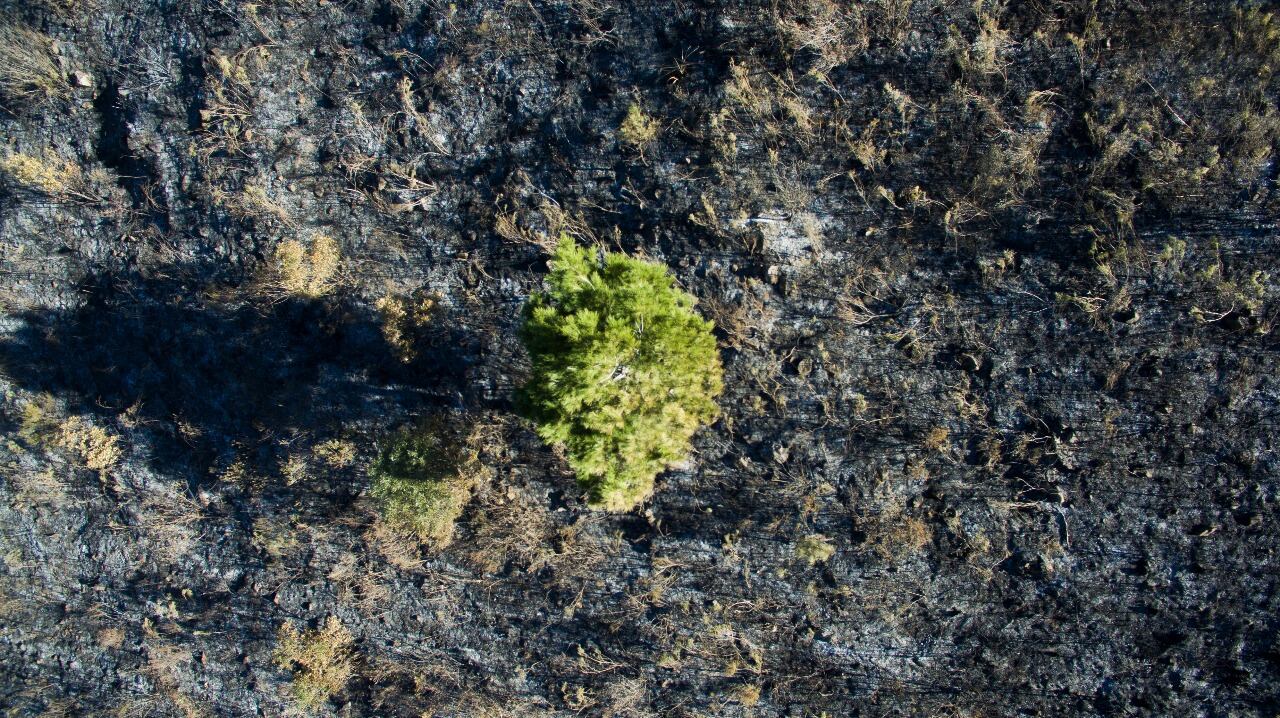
x: 624, y: 371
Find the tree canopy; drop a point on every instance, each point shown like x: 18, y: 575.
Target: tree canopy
x: 624, y: 370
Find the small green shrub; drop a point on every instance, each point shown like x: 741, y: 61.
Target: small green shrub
x: 39, y: 422
x: 815, y: 548
x: 624, y: 371
x: 321, y: 661
x: 423, y: 481
x: 637, y: 129
x: 336, y: 453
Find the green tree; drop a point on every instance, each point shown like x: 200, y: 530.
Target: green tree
x: 624, y: 371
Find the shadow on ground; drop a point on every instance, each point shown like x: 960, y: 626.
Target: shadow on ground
x: 205, y: 377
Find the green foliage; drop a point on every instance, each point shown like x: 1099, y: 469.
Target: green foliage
x: 624, y: 371
x: 321, y: 661
x: 815, y: 548
x: 637, y: 129
x: 419, y: 479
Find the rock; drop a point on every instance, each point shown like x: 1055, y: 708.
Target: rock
x: 781, y: 453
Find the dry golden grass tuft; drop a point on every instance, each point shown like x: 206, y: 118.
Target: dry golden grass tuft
x: 41, y: 426
x: 111, y: 638
x: 97, y: 448
x: 984, y: 55
x: 165, y: 663
x: 476, y: 704
x: 322, y: 661
x: 274, y: 536
x: 308, y: 271
x: 834, y: 32
x: 747, y: 694
x: 226, y: 121
x: 359, y: 585
x: 29, y: 71
x: 38, y: 488
x: 745, y: 89
x: 541, y: 226
x: 402, y: 549
x: 253, y: 202
x: 52, y: 176
x: 513, y: 530
x: 295, y: 469
x: 895, y: 536
x: 938, y: 439
x: 171, y: 520
x: 239, y: 473
x: 402, y: 317
x: 518, y: 530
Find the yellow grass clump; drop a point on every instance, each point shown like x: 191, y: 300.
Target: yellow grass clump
x: 304, y: 271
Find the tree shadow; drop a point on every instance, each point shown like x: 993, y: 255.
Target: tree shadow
x: 204, y: 379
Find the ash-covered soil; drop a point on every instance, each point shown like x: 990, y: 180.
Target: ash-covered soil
x: 994, y: 285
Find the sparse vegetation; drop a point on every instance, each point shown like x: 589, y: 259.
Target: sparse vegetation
x: 98, y: 449
x: 322, y: 661
x: 336, y: 453
x: 815, y: 548
x: 39, y: 419
x: 638, y: 129
x: 41, y: 426
x: 50, y: 176
x: 423, y: 478
x: 895, y: 535
x: 402, y: 318
x: 274, y: 536
x: 29, y: 72
x: 254, y: 203
x: 308, y: 271
x: 624, y: 371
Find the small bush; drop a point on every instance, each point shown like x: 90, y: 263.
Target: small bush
x: 40, y: 174
x: 815, y: 548
x: 38, y: 424
x: 336, y: 453
x: 423, y: 480
x: 638, y: 129
x: 98, y: 449
x: 624, y: 371
x: 275, y: 536
x: 321, y: 661
x: 307, y: 271
x: 41, y: 427
x: 402, y: 318
x: 253, y: 202
x: 897, y: 536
